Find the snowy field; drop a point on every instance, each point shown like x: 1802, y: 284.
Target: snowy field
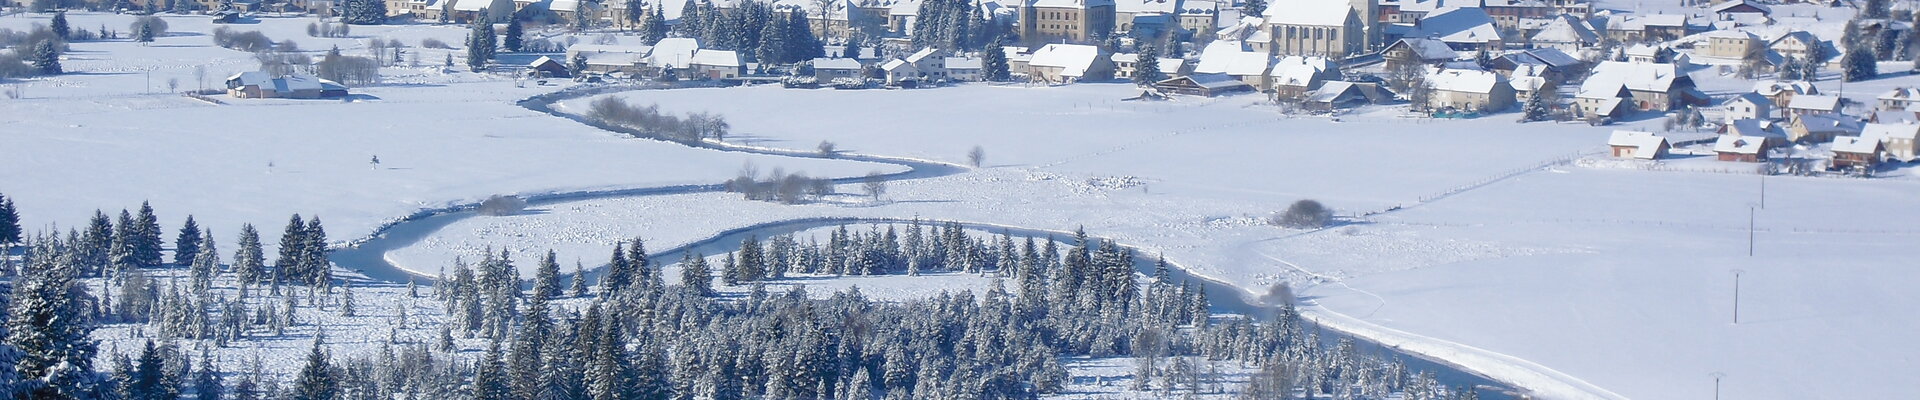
x: 93, y: 139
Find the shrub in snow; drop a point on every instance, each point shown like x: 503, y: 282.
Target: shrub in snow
x: 249, y: 41
x: 432, y: 43
x: 1304, y: 214
x: 499, y: 205
x: 157, y: 26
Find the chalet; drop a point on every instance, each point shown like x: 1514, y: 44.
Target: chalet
x: 1821, y: 128
x: 1749, y: 140
x: 900, y: 72
x: 1649, y: 87
x: 1737, y: 10
x: 1567, y: 33
x: 1797, y: 45
x: 716, y: 64
x: 1748, y: 106
x: 1856, y: 153
x: 1782, y: 92
x: 1342, y: 94
x: 1638, y: 145
x: 1468, y: 90
x: 545, y: 67
x: 1294, y: 76
x: 1419, y: 51
x: 1813, y: 104
x: 963, y: 68
x: 1899, y: 98
x: 1203, y: 85
x: 828, y: 69
x: 1901, y: 141
x: 1064, y: 63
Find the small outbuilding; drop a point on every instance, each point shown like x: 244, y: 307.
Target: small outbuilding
x: 1203, y: 85
x: 544, y: 67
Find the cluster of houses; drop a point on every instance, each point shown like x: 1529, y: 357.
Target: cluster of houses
x: 1778, y: 117
x: 681, y: 58
x: 261, y: 85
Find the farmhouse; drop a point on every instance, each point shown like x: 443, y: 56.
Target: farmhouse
x: 1419, y: 51
x: 1782, y: 92
x: 716, y: 64
x: 1730, y: 44
x: 1650, y: 87
x: 1567, y: 33
x: 1343, y: 94
x: 258, y: 85
x: 828, y: 69
x: 1855, y: 152
x: 1203, y: 85
x: 1064, y: 63
x: 964, y: 68
x: 1461, y: 28
x: 1226, y: 57
x: 1748, y: 140
x: 1899, y: 98
x: 1296, y: 75
x: 1740, y: 10
x: 1748, y: 106
x: 1638, y: 145
x: 546, y: 67
x: 1797, y: 44
x: 1463, y: 89
x: 1820, y: 128
x: 1899, y: 140
x: 1813, y: 104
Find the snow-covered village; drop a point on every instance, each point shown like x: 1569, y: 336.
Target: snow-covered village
x: 959, y: 199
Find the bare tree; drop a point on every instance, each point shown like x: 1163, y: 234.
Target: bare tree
x: 1304, y: 214
x: 827, y: 149
x: 875, y: 185
x: 976, y: 156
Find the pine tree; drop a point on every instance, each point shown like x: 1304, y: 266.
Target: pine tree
x: 579, y: 281
x: 994, y: 66
x: 690, y: 19
x: 293, y: 244
x: 1860, y: 64
x: 9, y: 222
x: 49, y: 325
x: 147, y: 244
x: 249, y: 262
x: 59, y: 25
x: 511, y: 39
x: 142, y: 33
x: 1146, y: 69
x: 346, y: 300
x: 316, y: 380
x: 313, y: 262
x: 480, y: 43
x: 1254, y: 8
x: 1536, y: 109
x: 150, y: 380
x: 773, y: 42
x: 365, y: 12
x: 546, y: 279
x: 207, y: 384
x: 186, y: 244
x: 654, y: 27
x: 694, y: 274
x: 46, y: 56
x: 205, y: 266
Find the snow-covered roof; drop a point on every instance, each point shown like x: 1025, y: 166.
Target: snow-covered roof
x: 1210, y: 81
x: 1739, y: 144
x: 1750, y: 97
x: 1887, y: 131
x: 296, y: 82
x: 1756, y: 128
x: 1834, y: 123
x: 1546, y: 56
x: 1646, y: 144
x: 608, y: 48
x: 904, y: 8
x: 1900, y: 93
x: 1772, y: 87
x: 1418, y: 5
x: 1299, y: 71
x: 1308, y: 12
x: 1145, y: 6
x: 472, y: 5
x: 963, y: 62
x: 1457, y: 25
x: 1567, y: 29
x: 835, y: 63
x: 1643, y: 50
x: 675, y: 52
x: 1856, y: 145
x: 1723, y: 7
x: 921, y: 55
x: 1814, y: 102
x: 1428, y: 49
x: 1610, y: 76
x: 543, y: 60
x: 1068, y: 3
x: 1732, y: 34
x: 1199, y: 7
x: 717, y: 58
x: 895, y: 64
x: 252, y: 78
x: 1896, y: 117
x: 1330, y: 91
x: 1462, y: 80
x: 1221, y: 55
x: 1641, y: 22
x: 1073, y: 59
x: 617, y: 59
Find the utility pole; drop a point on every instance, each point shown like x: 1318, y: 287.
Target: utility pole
x: 1736, y: 296
x: 1716, y: 383
x: 1763, y: 188
x: 1750, y: 231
